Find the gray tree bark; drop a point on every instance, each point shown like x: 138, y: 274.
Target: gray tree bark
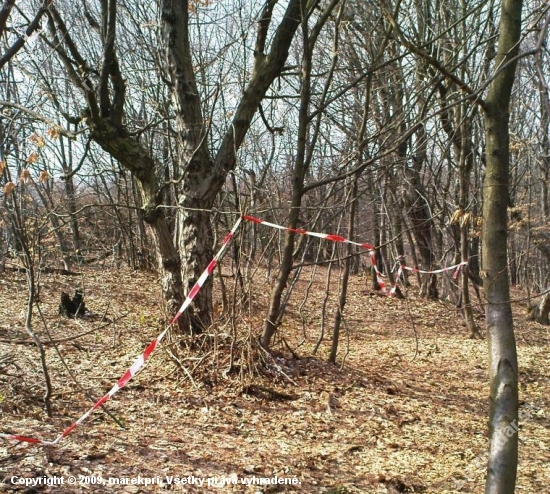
x: 503, y: 365
x: 202, y: 174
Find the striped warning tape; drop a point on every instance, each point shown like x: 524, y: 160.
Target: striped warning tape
x: 335, y: 238
x: 369, y: 247
x: 206, y: 273
x: 326, y: 236
x: 456, y: 267
x: 140, y: 361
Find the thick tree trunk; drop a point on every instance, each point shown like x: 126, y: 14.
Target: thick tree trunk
x: 422, y: 224
x: 464, y: 287
x: 459, y: 131
x: 544, y: 158
x: 503, y: 365
x: 419, y: 213
x: 465, y: 152
x: 202, y: 175
x: 270, y: 325
x: 375, y: 225
x: 70, y: 193
x: 71, y: 206
x: 63, y: 247
x: 541, y: 310
x: 132, y: 156
x: 298, y: 178
x: 168, y: 261
x: 195, y: 241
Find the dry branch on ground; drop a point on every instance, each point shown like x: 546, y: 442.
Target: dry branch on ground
x: 382, y: 423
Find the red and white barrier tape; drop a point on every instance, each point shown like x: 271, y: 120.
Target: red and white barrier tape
x: 370, y: 248
x: 327, y: 236
x: 207, y: 271
x: 140, y: 361
x: 456, y: 267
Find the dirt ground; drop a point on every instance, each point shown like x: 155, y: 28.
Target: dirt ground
x: 405, y: 409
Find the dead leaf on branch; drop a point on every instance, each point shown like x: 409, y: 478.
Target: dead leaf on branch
x: 25, y: 176
x: 455, y: 218
x: 53, y: 133
x: 9, y: 188
x: 33, y: 157
x: 38, y: 140
x: 44, y: 176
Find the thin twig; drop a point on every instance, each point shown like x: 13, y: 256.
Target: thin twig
x: 71, y: 373
x: 413, y: 325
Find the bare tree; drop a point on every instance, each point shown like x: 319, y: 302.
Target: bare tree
x: 201, y: 170
x: 503, y: 365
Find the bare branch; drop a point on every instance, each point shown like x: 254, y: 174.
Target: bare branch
x: 41, y: 118
x: 78, y: 75
x: 266, y: 69
x: 436, y: 64
x: 32, y: 27
x: 263, y: 27
x: 5, y: 13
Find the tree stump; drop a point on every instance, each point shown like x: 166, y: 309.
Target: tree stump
x: 72, y: 307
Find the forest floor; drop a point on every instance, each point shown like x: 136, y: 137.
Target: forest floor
x: 405, y: 409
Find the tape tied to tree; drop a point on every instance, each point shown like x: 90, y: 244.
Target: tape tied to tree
x: 369, y: 247
x: 141, y: 359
